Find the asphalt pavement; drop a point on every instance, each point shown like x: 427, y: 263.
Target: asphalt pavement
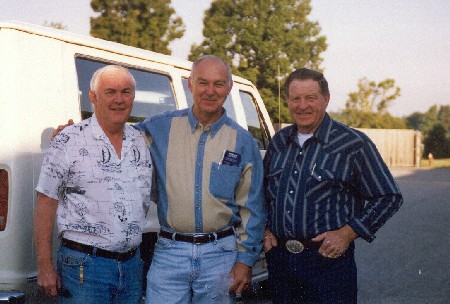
x: 409, y: 261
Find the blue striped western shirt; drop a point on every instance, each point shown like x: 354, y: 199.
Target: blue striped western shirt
x: 336, y: 178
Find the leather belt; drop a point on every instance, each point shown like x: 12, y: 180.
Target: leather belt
x: 119, y: 256
x: 197, y: 238
x: 297, y: 246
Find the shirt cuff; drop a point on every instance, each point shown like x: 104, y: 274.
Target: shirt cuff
x: 361, y: 230
x: 246, y: 258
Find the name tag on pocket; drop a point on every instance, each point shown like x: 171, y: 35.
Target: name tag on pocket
x: 230, y: 158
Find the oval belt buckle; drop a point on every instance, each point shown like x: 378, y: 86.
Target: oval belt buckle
x: 294, y: 246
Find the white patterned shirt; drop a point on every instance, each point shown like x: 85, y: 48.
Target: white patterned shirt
x: 103, y: 199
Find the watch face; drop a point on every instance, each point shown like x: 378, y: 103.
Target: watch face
x: 294, y: 246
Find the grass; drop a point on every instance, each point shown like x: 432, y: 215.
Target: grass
x: 436, y: 163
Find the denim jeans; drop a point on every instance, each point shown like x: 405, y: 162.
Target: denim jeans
x: 184, y: 273
x: 309, y: 277
x: 102, y: 281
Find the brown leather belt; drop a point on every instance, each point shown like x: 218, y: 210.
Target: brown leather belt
x: 196, y: 238
x: 297, y: 246
x: 119, y: 256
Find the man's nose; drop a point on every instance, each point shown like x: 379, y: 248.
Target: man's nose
x: 119, y: 98
x: 210, y: 89
x: 302, y: 104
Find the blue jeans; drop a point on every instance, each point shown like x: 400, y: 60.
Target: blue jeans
x: 184, y: 273
x: 309, y: 277
x: 104, y: 280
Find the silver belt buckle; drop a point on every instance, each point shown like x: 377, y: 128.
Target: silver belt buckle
x: 294, y: 246
x: 195, y: 236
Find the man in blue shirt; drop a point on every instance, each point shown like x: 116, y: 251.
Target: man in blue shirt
x: 326, y: 184
x: 210, y: 199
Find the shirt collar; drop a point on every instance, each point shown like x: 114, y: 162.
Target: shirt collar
x: 213, y: 128
x: 98, y: 132
x: 322, y: 133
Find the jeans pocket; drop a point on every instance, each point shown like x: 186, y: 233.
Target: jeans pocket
x: 72, y: 258
x: 227, y: 244
x: 164, y: 243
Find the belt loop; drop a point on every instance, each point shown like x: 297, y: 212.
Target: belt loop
x: 215, y: 237
x: 94, y: 251
x: 235, y: 229
x: 174, y: 236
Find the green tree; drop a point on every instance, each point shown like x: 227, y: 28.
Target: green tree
x: 426, y: 121
x: 368, y: 107
x: 258, y: 38
x: 146, y: 24
x: 370, y: 120
x: 435, y: 127
x: 444, y: 117
x: 373, y: 97
x: 437, y: 142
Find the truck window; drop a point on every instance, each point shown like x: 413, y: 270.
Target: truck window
x: 228, y: 105
x: 154, y: 92
x: 254, y: 122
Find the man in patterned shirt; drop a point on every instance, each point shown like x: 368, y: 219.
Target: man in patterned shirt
x: 326, y: 184
x: 96, y: 179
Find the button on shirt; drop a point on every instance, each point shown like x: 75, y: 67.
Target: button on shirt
x: 199, y: 194
x: 336, y: 178
x: 103, y: 199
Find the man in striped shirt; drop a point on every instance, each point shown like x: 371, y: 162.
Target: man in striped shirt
x: 326, y: 184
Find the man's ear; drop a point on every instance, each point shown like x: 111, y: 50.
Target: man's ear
x: 231, y: 86
x: 327, y: 100
x: 190, y: 84
x: 92, y: 97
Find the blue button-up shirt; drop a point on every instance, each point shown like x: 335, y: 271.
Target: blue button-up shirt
x: 197, y: 192
x: 336, y: 178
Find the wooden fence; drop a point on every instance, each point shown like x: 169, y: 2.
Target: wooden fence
x: 398, y: 147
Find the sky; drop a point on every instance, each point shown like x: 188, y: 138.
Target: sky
x: 406, y: 40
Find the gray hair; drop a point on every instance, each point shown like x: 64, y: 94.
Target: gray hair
x: 109, y: 68
x: 211, y: 58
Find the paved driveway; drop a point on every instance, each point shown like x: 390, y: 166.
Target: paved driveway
x: 409, y: 261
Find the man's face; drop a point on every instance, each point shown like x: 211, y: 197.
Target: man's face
x: 113, y: 100
x: 210, y: 87
x: 306, y: 104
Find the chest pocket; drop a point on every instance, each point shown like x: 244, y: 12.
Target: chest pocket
x: 322, y: 181
x: 274, y: 177
x: 224, y: 180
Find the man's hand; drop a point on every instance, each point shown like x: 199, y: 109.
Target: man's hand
x: 48, y: 281
x: 44, y: 220
x: 61, y: 127
x: 269, y: 240
x: 335, y: 242
x: 242, y: 277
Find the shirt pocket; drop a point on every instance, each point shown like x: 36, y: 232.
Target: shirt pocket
x: 324, y: 182
x: 224, y: 180
x: 273, y: 181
